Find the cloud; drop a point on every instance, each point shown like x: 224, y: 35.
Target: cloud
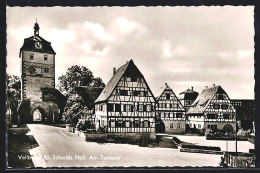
x: 98, y: 31
x: 88, y: 48
x: 124, y: 25
x: 169, y: 52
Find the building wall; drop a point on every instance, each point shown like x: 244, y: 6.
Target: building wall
x: 196, y: 121
x: 122, y: 112
x: 174, y: 127
x: 170, y: 110
x: 220, y: 126
x: 31, y: 83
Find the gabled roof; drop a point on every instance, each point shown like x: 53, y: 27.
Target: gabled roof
x: 159, y: 92
x: 126, y: 69
x: 167, y: 88
x: 203, y: 100
x: 29, y: 44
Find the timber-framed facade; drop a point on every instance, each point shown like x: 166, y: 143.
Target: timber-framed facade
x: 126, y: 104
x: 170, y: 110
x: 212, y: 110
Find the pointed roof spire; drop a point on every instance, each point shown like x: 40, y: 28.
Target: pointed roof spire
x: 36, y: 28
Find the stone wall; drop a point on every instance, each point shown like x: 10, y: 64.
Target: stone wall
x: 33, y: 85
x: 117, y: 137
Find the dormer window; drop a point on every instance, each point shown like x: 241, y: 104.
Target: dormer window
x: 45, y: 57
x: 31, y: 56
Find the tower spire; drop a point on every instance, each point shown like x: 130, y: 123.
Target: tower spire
x: 36, y: 28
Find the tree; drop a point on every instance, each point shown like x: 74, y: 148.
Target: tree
x: 74, y: 109
x: 13, y: 93
x: 78, y: 76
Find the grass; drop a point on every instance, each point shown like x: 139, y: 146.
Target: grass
x: 19, y: 145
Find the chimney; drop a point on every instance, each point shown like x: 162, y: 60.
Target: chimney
x: 214, y: 85
x: 114, y: 71
x: 206, y: 87
x: 192, y: 88
x: 165, y: 84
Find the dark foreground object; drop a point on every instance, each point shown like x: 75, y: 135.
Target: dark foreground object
x: 19, y: 145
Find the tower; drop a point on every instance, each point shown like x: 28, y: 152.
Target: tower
x: 38, y: 93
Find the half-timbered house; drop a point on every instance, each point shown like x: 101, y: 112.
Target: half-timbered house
x: 126, y: 104
x: 212, y: 110
x: 170, y: 110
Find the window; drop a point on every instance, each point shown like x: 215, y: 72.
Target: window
x: 128, y: 108
x: 46, y: 70
x: 140, y: 108
x: 102, y: 122
x: 216, y: 106
x: 220, y: 97
x: 133, y: 79
x: 136, y: 93
x: 123, y: 92
x: 211, y: 116
x: 136, y: 123
x: 178, y: 126
x: 224, y: 106
x: 199, y: 126
x: 171, y: 125
x: 146, y: 123
x: 120, y: 124
x: 170, y: 105
x: 169, y: 115
x: 178, y: 115
x: 167, y: 96
x: 32, y: 69
x: 226, y: 116
x: 31, y: 56
x: 148, y: 108
x: 110, y: 107
x: 45, y: 57
x: 118, y: 107
x: 190, y: 125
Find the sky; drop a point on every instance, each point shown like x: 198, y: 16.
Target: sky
x: 180, y: 46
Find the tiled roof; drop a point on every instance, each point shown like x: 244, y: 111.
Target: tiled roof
x: 204, y: 98
x: 29, y: 44
x: 126, y: 69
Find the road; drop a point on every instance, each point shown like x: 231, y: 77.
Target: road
x: 59, y: 148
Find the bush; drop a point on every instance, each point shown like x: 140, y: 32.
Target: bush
x: 200, y: 147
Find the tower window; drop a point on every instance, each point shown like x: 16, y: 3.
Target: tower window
x: 167, y: 96
x: 45, y: 57
x: 46, y: 70
x: 31, y: 56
